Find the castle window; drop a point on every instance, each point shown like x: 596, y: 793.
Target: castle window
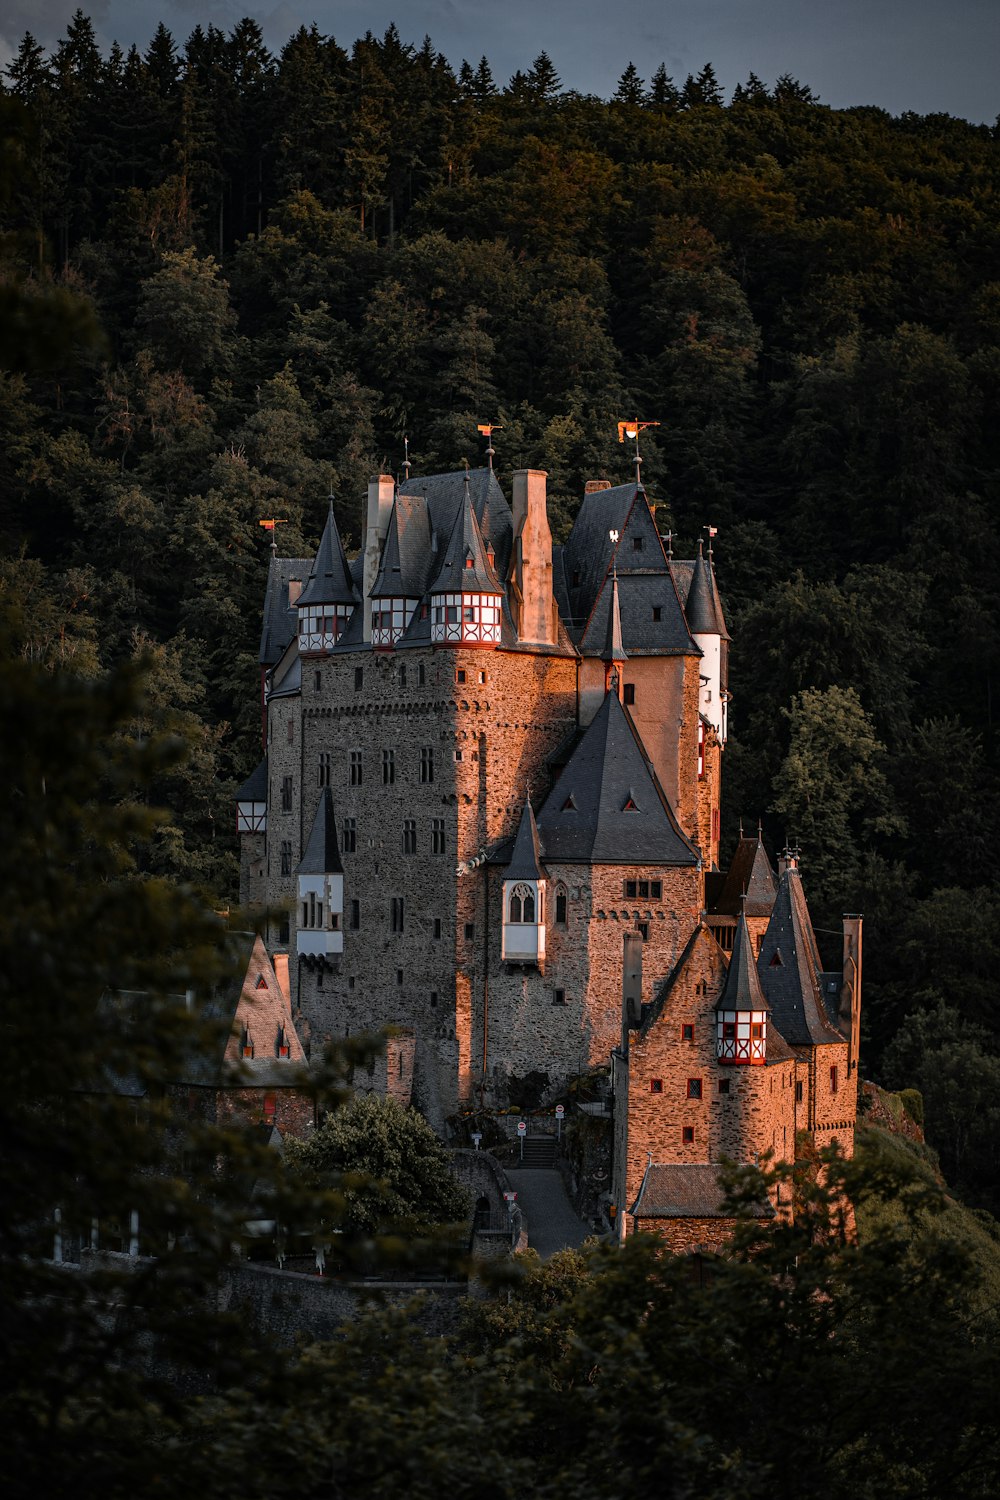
x: 687, y: 1033
x: 729, y: 1031
x: 643, y: 930
x: 459, y: 674
x: 656, y: 1085
x: 402, y: 676
x: 269, y: 1108
x: 470, y: 931
x: 637, y: 543
x: 559, y: 997
x: 723, y: 1085
x: 521, y: 907
x: 317, y: 681
x: 437, y: 836
x: 324, y: 768
x: 657, y: 612
x: 576, y: 578
x: 399, y: 976
x: 426, y: 763
x: 356, y: 769
x: 777, y: 962
x: 458, y: 755
x: 628, y: 694
x: 481, y: 677
x: 291, y: 731
x: 284, y: 925
x: 349, y: 841
x: 355, y: 916
x: 396, y: 916
x: 359, y: 679
x: 286, y: 794
x: 437, y: 927
x: 286, y: 856
x: 561, y: 905
x: 798, y: 1092
x: 833, y: 1080
x: 421, y: 674
x: 631, y: 889
x: 694, y: 1088
x: 701, y: 750
x: 409, y: 836
x: 388, y: 767
x: 434, y: 999
x: 687, y: 1135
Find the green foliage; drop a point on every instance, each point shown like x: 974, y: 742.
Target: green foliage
x: 386, y: 1163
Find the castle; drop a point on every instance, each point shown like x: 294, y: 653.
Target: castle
x: 488, y: 816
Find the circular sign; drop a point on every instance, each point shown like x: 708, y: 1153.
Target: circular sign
x: 560, y: 1111
x: 522, y: 1127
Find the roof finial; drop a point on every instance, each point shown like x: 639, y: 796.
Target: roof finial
x: 669, y: 539
x: 270, y: 525
x: 632, y: 430
x: 741, y: 827
x: 712, y: 531
x: 406, y: 459
x: 488, y: 429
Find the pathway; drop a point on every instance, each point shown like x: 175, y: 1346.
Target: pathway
x: 552, y: 1224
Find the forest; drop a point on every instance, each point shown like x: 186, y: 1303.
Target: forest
x: 234, y: 282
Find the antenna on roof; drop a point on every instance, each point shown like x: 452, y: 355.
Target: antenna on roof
x: 632, y: 430
x: 269, y: 525
x: 488, y: 429
x: 406, y: 459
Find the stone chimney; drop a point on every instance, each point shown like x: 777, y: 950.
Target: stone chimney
x: 532, y: 600
x: 381, y: 490
x: 593, y: 485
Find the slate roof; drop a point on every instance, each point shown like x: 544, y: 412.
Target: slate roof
x: 322, y: 851
x: 742, y: 989
x: 686, y: 1192
x: 464, y: 564
x: 789, y: 969
x: 749, y: 872
x: 703, y: 606
x: 254, y: 789
x: 330, y: 580
x: 584, y: 821
x: 444, y: 495
x: 613, y: 648
x: 712, y: 955
x: 280, y: 618
x: 526, y: 855
x: 262, y: 1008
x: 407, y: 557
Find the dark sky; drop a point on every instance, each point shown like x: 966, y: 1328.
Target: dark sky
x: 922, y: 55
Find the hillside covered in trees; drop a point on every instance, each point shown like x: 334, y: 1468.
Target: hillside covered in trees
x: 295, y: 260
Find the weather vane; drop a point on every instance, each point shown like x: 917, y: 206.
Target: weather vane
x: 632, y: 430
x: 488, y: 429
x: 269, y: 525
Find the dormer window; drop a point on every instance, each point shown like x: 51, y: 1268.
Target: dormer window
x: 322, y: 625
x: 390, y: 619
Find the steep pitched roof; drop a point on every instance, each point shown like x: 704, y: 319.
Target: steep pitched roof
x: 686, y: 1192
x: 606, y: 806
x: 444, y: 495
x: 253, y: 1002
x: 742, y: 990
x: 280, y: 618
x: 703, y: 606
x: 789, y: 969
x: 613, y: 648
x: 526, y: 855
x: 406, y: 557
x: 701, y: 951
x: 254, y: 789
x: 749, y: 873
x: 464, y: 565
x: 322, y: 852
x: 330, y: 579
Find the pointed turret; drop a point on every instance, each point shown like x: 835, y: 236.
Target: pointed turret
x: 466, y: 594
x: 789, y: 967
x: 397, y: 591
x: 523, y: 931
x: 707, y: 625
x: 614, y: 650
x: 326, y: 603
x: 320, y: 877
x: 741, y: 1014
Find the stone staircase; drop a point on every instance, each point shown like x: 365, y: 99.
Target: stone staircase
x: 539, y: 1151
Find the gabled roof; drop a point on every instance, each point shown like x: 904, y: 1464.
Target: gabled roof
x: 789, y: 969
x: 605, y: 770
x: 464, y: 565
x: 406, y: 557
x: 742, y: 990
x: 280, y: 622
x: 322, y: 852
x: 444, y: 495
x: 701, y: 951
x: 253, y: 1002
x: 749, y: 873
x: 330, y: 579
x: 254, y: 789
x: 526, y: 855
x: 703, y: 606
x: 686, y: 1192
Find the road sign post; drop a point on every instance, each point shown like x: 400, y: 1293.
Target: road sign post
x: 522, y: 1131
x: 560, y: 1112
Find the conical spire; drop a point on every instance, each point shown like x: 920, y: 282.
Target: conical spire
x: 465, y: 566
x: 322, y: 855
x: 704, y: 607
x: 789, y: 968
x: 742, y: 990
x: 526, y: 856
x: 614, y: 649
x: 330, y: 579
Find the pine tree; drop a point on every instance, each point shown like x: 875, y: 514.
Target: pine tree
x: 663, y: 93
x: 630, y: 88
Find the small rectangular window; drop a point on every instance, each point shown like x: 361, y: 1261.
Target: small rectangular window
x: 631, y: 889
x: 426, y: 763
x: 388, y: 767
x: 656, y: 890
x: 637, y: 543
x: 324, y: 768
x: 656, y: 1085
x: 286, y: 857
x: 657, y: 612
x: 694, y: 1088
x: 629, y: 694
x: 438, y: 836
x: 399, y: 976
x: 396, y: 915
x: 317, y: 681
x: 409, y: 836
x: 356, y: 769
x: 421, y: 673
x: 355, y: 916
x: 644, y: 890
x: 437, y: 927
x: 687, y: 1033
x: 470, y: 931
x: 643, y: 930
x: 434, y: 999
x: 561, y: 905
x: 402, y: 676
x: 349, y: 841
x: 723, y: 1085
x: 460, y: 675
x: 359, y: 679
x: 833, y: 1080
x: 458, y: 755
x: 559, y: 997
x: 291, y: 731
x: 286, y: 794
x: 687, y: 1135
x: 729, y: 1031
x: 798, y: 1092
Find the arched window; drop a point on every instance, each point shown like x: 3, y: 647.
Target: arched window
x: 561, y: 905
x: 521, y: 905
